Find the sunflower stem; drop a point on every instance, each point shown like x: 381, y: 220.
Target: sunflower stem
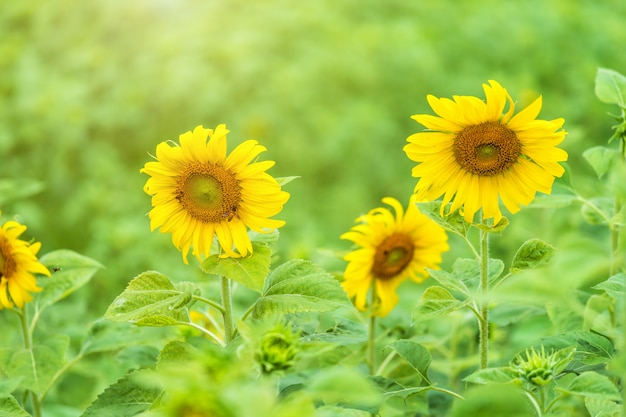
x: 27, y: 339
x: 371, y: 342
x: 227, y: 304
x: 483, y: 322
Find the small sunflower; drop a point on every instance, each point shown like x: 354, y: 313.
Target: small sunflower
x: 18, y: 263
x: 390, y: 250
x: 474, y: 153
x: 199, y: 192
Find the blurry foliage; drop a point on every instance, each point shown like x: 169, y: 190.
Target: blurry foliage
x: 87, y: 90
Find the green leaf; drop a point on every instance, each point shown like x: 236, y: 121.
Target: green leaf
x: 452, y: 222
x: 249, y: 271
x: 18, y: 188
x: 8, y: 385
x: 9, y: 407
x: 500, y: 375
x: 593, y: 385
x: 611, y: 87
x: 105, y: 336
x: 345, y: 387
x: 150, y: 299
x: 601, y: 159
x: 615, y: 286
x: 493, y: 400
x: 496, y: 228
x: 175, y: 353
x: 468, y: 271
x: 598, y: 210
x: 435, y: 301
x: 70, y: 271
x: 602, y: 408
x: 533, y: 253
x: 553, y: 201
x: 392, y: 388
x: 299, y: 286
x: 448, y: 281
x: 286, y: 180
x: 416, y: 355
x: 37, y: 366
x: 127, y: 397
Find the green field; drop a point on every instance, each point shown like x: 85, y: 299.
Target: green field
x: 89, y: 88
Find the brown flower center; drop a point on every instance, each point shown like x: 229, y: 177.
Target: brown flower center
x: 209, y: 192
x: 487, y: 149
x: 392, y: 256
x: 7, y: 263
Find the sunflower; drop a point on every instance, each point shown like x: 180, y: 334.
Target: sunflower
x: 390, y: 250
x: 474, y: 153
x: 18, y: 263
x: 199, y: 192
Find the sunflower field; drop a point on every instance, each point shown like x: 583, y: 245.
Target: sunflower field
x: 271, y: 208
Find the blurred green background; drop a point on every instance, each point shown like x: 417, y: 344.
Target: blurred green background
x: 89, y: 88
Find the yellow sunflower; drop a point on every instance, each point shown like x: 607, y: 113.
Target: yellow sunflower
x: 390, y: 250
x: 198, y: 192
x: 474, y: 153
x: 18, y: 263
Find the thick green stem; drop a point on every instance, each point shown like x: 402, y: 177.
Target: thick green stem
x: 371, y: 342
x: 484, y: 302
x: 28, y: 345
x: 227, y: 304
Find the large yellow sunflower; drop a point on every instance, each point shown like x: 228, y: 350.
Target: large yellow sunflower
x: 474, y: 153
x: 390, y: 250
x: 199, y: 192
x: 18, y: 263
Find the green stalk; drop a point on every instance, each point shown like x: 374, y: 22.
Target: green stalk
x: 227, y: 304
x: 371, y: 342
x: 484, y: 303
x: 28, y: 345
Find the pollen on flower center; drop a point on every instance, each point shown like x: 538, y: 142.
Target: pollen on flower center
x: 7, y: 263
x: 393, y: 254
x: 209, y: 192
x: 486, y: 149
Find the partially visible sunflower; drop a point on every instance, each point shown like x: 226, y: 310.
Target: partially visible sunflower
x: 474, y: 153
x: 391, y: 249
x: 199, y: 192
x: 18, y: 263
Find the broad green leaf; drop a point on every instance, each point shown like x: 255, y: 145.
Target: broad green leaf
x: 8, y: 385
x: 533, y: 253
x: 175, y: 353
x: 601, y: 159
x: 37, y: 366
x: 249, y: 271
x: 70, y: 271
x: 435, y: 301
x: 105, y: 335
x: 599, y: 210
x: 593, y: 385
x: 615, y: 286
x: 9, y: 407
x: 345, y: 387
x: 392, y: 388
x: 18, y: 188
x: 602, y: 408
x: 468, y: 271
x: 150, y: 299
x: 449, y: 282
x: 127, y: 397
x: 416, y: 355
x: 452, y: 222
x: 493, y: 400
x: 611, y: 87
x: 553, y: 201
x: 500, y: 375
x: 597, y: 315
x: 345, y: 332
x: 299, y: 286
x: 592, y: 349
